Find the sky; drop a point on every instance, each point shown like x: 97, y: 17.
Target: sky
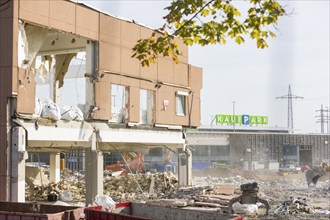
x: 246, y: 80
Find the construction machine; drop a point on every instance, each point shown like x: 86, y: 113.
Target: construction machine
x: 313, y: 174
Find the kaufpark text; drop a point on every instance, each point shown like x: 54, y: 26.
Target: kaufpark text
x: 241, y: 119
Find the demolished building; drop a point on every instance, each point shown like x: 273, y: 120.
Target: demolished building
x: 117, y: 106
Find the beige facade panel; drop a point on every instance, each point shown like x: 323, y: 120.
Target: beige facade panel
x: 134, y: 104
x: 183, y: 58
x: 149, y: 72
x: 146, y: 32
x: 102, y: 100
x: 129, y: 65
x: 181, y: 74
x: 196, y: 112
x: 126, y: 81
x: 195, y: 77
x: 147, y: 85
x: 35, y: 11
x: 165, y: 115
x: 62, y: 15
x: 26, y: 91
x: 165, y: 70
x: 114, y: 79
x: 87, y: 22
x: 130, y: 32
x: 109, y: 39
x: 110, y: 26
x: 109, y: 56
x: 181, y: 120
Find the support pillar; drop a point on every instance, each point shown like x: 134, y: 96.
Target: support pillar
x: 189, y: 167
x: 55, y: 167
x: 185, y: 167
x: 18, y: 157
x: 93, y: 172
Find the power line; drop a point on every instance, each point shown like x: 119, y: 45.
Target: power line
x: 289, y: 96
x: 323, y: 118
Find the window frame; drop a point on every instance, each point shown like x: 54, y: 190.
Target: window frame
x: 181, y: 96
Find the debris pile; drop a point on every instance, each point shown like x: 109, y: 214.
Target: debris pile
x: 207, y: 193
x: 141, y: 187
x: 132, y: 187
x: 41, y: 193
x: 293, y: 206
x: 297, y: 206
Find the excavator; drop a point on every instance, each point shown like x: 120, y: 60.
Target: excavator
x: 134, y: 162
x: 313, y: 174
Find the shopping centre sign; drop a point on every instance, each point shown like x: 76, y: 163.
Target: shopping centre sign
x: 241, y: 119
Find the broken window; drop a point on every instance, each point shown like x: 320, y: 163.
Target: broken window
x: 119, y: 99
x: 72, y: 90
x: 63, y: 73
x: 181, y: 103
x: 146, y: 106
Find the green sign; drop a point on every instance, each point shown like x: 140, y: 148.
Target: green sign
x: 241, y: 119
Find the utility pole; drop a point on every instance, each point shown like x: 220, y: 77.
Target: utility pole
x: 323, y: 118
x: 289, y: 96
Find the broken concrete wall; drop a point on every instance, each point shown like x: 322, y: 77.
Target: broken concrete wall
x: 115, y: 39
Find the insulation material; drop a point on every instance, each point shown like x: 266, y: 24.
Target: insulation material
x: 45, y: 67
x: 37, y: 109
x: 22, y: 46
x: 36, y: 37
x: 62, y: 66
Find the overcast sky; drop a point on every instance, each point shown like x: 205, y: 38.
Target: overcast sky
x: 252, y: 77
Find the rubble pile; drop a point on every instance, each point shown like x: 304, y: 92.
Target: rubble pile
x: 285, y: 196
x: 41, y: 193
x: 293, y: 206
x: 141, y: 187
x: 132, y: 187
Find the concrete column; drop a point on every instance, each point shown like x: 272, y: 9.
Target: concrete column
x: 189, y: 167
x: 18, y: 157
x: 185, y: 168
x: 91, y: 66
x: 55, y: 167
x: 93, y: 172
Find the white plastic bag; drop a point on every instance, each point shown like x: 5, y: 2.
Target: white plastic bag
x: 79, y: 114
x: 66, y: 196
x: 245, y: 208
x: 67, y: 113
x: 50, y: 110
x: 106, y: 202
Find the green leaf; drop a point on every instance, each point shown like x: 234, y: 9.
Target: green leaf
x: 184, y: 20
x: 205, y: 12
x: 239, y: 40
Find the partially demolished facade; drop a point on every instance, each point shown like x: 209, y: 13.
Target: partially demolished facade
x: 116, y: 106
